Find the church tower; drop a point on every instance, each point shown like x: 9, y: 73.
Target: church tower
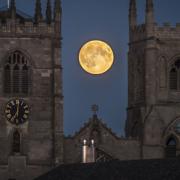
x: 31, y: 98
x: 153, y: 79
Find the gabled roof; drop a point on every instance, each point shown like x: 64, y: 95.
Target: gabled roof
x: 164, y: 169
x: 94, y: 121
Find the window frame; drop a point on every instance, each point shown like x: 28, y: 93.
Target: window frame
x: 27, y: 63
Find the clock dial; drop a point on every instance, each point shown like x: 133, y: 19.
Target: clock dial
x: 17, y: 111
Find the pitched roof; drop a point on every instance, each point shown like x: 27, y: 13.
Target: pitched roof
x: 95, y: 121
x: 164, y: 169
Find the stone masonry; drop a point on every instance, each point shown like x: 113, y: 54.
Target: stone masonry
x: 35, y: 146
x: 42, y: 135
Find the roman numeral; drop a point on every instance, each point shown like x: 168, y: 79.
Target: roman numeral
x: 9, y: 116
x: 26, y: 106
x: 12, y: 102
x: 26, y: 111
x: 8, y: 106
x: 7, y: 111
x: 25, y: 116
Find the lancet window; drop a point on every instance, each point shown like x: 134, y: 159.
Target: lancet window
x: 174, y: 76
x: 16, y: 74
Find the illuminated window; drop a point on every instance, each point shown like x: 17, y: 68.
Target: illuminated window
x: 16, y: 74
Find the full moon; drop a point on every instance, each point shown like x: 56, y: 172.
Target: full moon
x: 96, y: 57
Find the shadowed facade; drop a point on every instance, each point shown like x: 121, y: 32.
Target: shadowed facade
x: 31, y: 106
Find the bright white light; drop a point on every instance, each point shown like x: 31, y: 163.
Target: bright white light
x: 84, y: 152
x: 8, y: 3
x: 85, y: 141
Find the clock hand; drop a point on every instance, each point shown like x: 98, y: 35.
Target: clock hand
x: 17, y: 112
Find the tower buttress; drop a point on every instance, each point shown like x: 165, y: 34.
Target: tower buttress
x: 57, y: 10
x: 150, y: 54
x: 13, y: 9
x: 57, y: 87
x: 132, y: 14
x: 149, y: 19
x: 38, y: 14
x: 48, y: 12
x: 57, y: 19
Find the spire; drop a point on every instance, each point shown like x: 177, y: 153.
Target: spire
x: 95, y: 109
x: 13, y: 8
x: 38, y: 14
x: 132, y: 13
x: 8, y: 4
x: 48, y: 12
x: 57, y: 10
x: 149, y: 12
x: 57, y: 23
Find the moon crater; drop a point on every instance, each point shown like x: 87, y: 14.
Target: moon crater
x: 96, y: 57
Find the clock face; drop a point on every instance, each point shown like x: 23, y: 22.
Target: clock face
x: 17, y: 111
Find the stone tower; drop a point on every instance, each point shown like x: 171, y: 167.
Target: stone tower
x: 153, y: 78
x: 31, y: 100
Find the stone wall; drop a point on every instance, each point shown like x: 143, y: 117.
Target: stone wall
x: 105, y: 140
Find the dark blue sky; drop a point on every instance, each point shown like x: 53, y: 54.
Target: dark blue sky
x: 106, y: 20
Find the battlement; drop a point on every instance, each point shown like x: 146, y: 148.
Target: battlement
x: 15, y: 22
x: 168, y: 31
x: 138, y: 33
x: 28, y: 28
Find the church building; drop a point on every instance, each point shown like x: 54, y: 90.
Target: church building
x: 31, y: 98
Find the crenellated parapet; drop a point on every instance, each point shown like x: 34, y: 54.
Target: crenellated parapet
x: 167, y: 31
x: 138, y: 33
x: 13, y: 22
x: 27, y: 28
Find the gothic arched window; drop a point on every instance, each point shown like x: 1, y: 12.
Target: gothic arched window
x: 171, y: 148
x: 173, y: 79
x: 16, y: 78
x: 16, y: 74
x: 16, y: 142
x: 174, y: 76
